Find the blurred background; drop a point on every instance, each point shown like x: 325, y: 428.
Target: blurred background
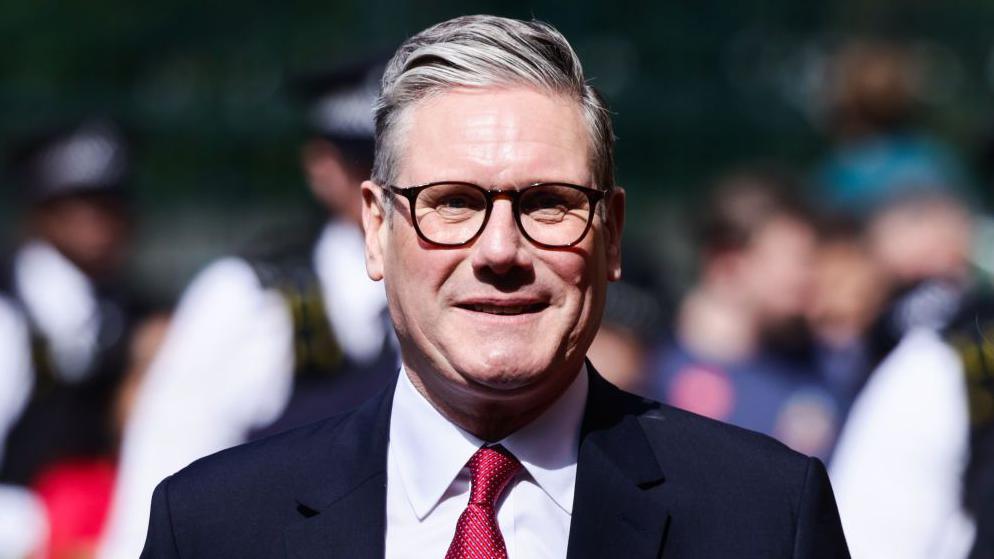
x: 809, y: 245
x: 696, y: 87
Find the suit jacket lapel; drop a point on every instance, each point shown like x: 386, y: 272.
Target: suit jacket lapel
x: 343, y: 505
x: 618, y: 508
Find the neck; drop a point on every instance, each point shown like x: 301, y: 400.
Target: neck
x: 488, y: 414
x: 716, y: 328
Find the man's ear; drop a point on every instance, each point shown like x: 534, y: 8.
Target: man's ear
x: 374, y: 226
x: 613, y: 225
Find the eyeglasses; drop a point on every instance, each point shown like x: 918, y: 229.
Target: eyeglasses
x: 550, y: 215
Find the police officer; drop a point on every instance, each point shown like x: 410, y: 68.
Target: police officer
x: 64, y: 315
x: 64, y: 280
x: 272, y: 338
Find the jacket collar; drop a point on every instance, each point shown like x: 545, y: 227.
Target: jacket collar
x: 617, y: 510
x: 343, y: 501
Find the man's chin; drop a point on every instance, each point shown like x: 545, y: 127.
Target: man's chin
x: 511, y: 378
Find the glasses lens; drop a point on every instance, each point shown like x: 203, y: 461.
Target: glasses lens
x: 554, y: 214
x: 450, y: 213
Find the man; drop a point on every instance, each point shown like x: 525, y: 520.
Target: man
x: 739, y: 352
x: 65, y: 317
x: 909, y: 427
x: 275, y: 338
x: 65, y: 281
x: 493, y: 220
x: 919, y: 421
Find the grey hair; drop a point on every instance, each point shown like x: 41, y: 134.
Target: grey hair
x: 483, y: 51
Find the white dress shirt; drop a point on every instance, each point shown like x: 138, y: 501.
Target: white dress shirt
x: 226, y: 367
x: 897, y: 470
x: 428, y: 484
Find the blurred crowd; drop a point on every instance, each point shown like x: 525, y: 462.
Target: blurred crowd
x: 839, y: 309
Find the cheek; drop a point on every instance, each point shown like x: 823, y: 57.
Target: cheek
x: 576, y: 273
x: 401, y: 278
x: 420, y: 276
x: 566, y: 270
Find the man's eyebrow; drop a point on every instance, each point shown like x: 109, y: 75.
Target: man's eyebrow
x: 544, y: 179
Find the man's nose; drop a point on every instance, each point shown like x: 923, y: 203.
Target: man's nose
x: 500, y: 246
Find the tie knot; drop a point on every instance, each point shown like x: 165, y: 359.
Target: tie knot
x: 491, y: 469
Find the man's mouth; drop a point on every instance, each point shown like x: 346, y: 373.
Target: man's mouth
x: 504, y: 309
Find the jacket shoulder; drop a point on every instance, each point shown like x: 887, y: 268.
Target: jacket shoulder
x: 680, y: 438
x: 685, y: 441
x: 261, y: 488
x: 271, y: 458
x: 716, y: 436
x: 743, y: 486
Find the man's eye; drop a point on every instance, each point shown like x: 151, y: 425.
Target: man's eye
x: 546, y: 205
x: 549, y: 202
x: 457, y: 205
x: 451, y: 200
x: 454, y: 203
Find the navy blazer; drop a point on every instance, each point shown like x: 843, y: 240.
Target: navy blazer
x: 652, y: 481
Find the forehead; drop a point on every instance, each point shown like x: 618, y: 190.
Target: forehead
x: 495, y: 136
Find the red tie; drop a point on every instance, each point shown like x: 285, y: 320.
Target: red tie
x: 477, y: 533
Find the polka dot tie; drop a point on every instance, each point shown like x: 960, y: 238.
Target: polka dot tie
x: 477, y: 533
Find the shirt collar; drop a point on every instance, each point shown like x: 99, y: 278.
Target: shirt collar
x: 547, y: 447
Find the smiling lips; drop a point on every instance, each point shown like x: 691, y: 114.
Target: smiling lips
x: 504, y: 308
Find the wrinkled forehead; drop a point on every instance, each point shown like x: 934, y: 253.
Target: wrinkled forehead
x: 508, y: 134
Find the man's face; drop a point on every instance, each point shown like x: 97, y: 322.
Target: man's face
x: 499, y: 318
x: 91, y: 230
x: 776, y: 272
